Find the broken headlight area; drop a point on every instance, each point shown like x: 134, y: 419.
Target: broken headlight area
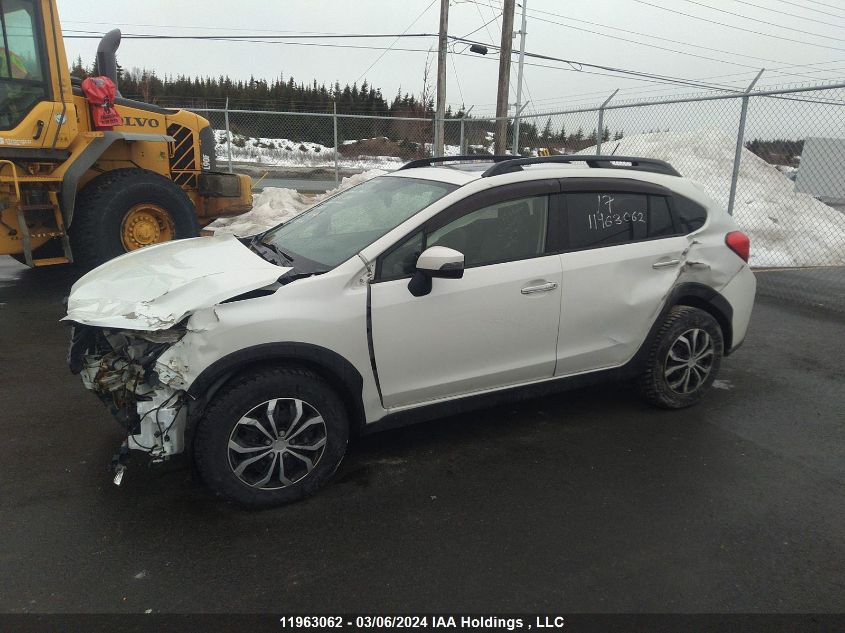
x: 119, y: 367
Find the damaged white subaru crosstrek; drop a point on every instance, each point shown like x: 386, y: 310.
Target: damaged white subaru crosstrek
x: 431, y: 290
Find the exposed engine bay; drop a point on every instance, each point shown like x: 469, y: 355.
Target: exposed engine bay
x: 119, y: 367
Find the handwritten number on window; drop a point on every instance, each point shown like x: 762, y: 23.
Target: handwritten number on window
x: 604, y: 217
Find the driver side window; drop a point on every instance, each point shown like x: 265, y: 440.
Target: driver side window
x: 501, y: 232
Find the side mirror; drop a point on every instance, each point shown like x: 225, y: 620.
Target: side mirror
x: 436, y: 261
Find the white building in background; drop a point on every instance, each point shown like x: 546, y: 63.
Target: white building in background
x: 822, y: 171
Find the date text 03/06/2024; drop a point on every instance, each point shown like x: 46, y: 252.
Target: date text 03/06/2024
x: 424, y: 622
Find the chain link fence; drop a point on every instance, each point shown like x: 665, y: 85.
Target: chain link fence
x: 775, y: 159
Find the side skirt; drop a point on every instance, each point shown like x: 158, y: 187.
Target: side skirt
x: 507, y: 395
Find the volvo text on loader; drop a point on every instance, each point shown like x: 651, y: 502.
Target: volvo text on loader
x: 70, y: 191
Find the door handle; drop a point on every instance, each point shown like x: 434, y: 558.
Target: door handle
x: 530, y: 290
x: 665, y: 263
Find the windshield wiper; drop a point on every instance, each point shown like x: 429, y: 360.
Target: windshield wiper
x: 278, y: 251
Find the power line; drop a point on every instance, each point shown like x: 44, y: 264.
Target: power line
x: 224, y: 39
x: 578, y: 65
x: 739, y: 28
x: 186, y: 26
x: 680, y: 81
x: 792, y: 15
x: 155, y: 36
x: 655, y: 78
x: 642, y: 90
x: 615, y: 73
x: 664, y: 39
x: 457, y: 79
x: 775, y: 24
x: 803, y: 6
x: 664, y: 48
x: 378, y: 59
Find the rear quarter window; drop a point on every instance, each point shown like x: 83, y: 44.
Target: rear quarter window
x: 689, y: 215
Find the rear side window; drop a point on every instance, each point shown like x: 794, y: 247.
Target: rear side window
x: 599, y: 219
x: 606, y: 219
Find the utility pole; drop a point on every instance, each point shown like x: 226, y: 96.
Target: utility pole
x: 441, y: 79
x: 500, y: 142
x: 519, y: 106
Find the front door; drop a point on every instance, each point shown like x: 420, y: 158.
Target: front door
x: 496, y: 326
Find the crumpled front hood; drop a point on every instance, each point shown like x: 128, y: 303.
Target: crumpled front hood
x: 156, y: 287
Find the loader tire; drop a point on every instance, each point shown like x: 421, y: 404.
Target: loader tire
x: 127, y: 209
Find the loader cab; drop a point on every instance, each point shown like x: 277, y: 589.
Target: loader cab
x: 23, y: 76
x: 36, y: 100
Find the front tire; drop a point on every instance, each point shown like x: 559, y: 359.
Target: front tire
x: 683, y: 359
x: 127, y: 209
x: 272, y: 437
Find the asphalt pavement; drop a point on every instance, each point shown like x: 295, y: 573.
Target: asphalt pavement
x: 583, y: 502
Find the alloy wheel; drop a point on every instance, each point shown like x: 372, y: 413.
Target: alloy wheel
x: 689, y: 361
x: 277, y: 443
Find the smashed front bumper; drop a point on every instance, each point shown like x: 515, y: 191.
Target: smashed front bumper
x: 119, y: 366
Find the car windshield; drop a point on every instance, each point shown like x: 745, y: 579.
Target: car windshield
x: 335, y: 230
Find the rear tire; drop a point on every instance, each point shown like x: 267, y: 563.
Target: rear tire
x: 259, y: 459
x: 683, y: 360
x: 99, y: 230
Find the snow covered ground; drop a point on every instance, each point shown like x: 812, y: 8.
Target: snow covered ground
x: 786, y: 228
x: 282, y: 152
x: 275, y: 205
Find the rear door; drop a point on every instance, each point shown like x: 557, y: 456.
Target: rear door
x: 622, y: 255
x: 496, y: 326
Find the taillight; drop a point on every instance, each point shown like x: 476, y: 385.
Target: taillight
x: 739, y: 243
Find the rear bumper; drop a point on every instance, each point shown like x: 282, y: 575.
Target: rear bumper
x: 740, y: 293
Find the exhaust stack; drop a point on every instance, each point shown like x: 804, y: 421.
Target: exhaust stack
x: 106, y: 59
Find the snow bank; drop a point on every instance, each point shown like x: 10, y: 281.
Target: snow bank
x: 786, y: 228
x: 283, y: 152
x: 275, y: 205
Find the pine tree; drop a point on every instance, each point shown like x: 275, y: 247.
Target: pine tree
x: 546, y: 136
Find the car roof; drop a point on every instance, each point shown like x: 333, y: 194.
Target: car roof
x: 471, y: 174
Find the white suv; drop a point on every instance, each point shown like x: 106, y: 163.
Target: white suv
x: 448, y: 284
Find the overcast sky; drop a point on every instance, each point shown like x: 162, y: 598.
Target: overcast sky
x: 471, y: 79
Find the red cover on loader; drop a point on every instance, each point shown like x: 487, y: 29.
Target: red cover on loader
x: 100, y: 93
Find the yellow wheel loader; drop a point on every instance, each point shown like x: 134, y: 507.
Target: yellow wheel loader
x: 69, y: 191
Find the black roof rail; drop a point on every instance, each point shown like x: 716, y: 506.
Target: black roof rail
x: 604, y: 162
x: 476, y: 158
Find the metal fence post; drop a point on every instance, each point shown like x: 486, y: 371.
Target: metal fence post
x: 462, y: 144
x: 334, y: 119
x: 516, y: 119
x: 740, y: 142
x: 600, y: 131
x: 228, y: 135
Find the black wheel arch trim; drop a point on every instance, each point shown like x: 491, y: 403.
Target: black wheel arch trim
x: 334, y: 368
x: 704, y: 297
